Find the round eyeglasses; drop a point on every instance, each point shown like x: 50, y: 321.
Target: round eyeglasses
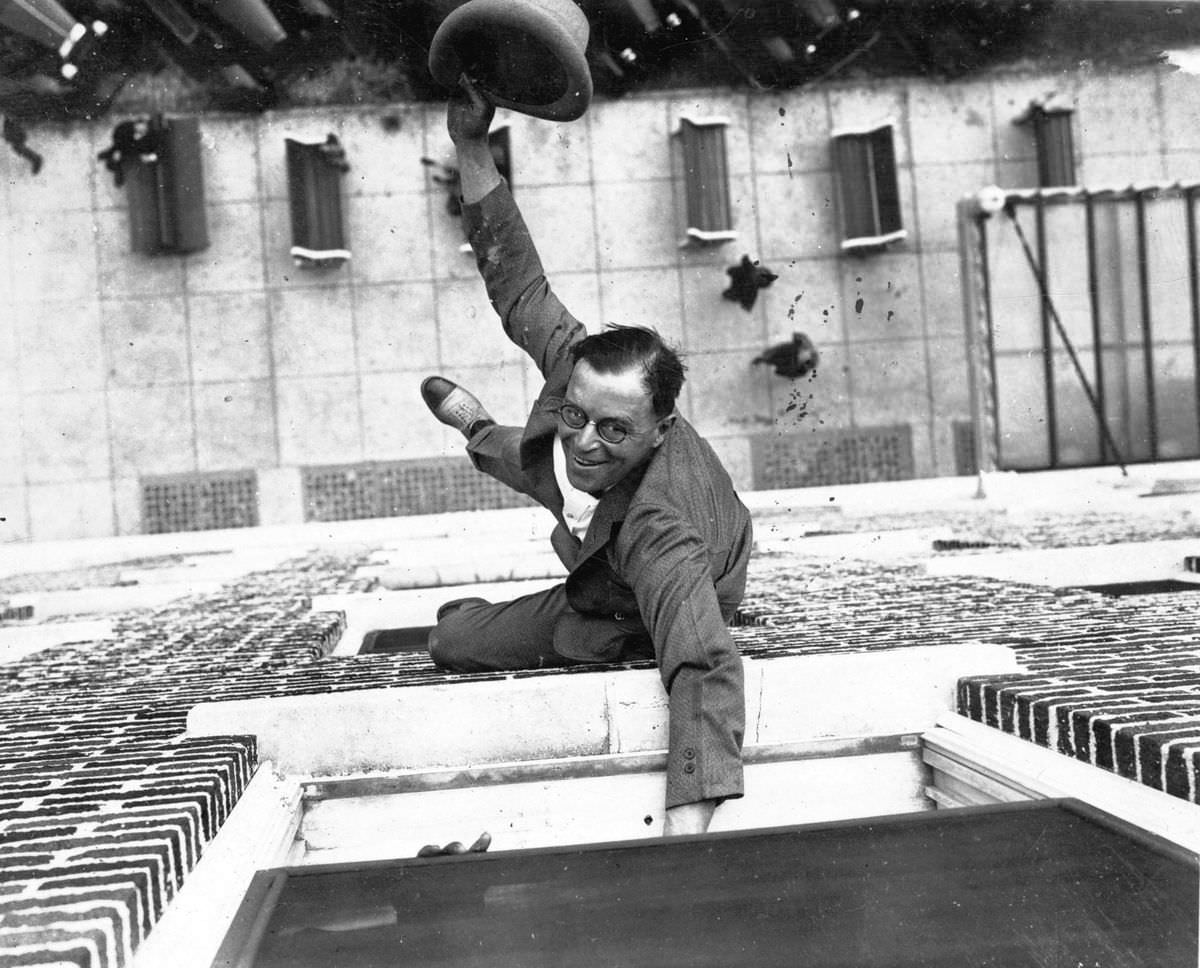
x: 611, y: 430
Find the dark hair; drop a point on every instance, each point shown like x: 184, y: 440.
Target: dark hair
x: 620, y: 348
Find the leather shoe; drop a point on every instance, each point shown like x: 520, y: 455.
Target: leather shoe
x: 453, y: 405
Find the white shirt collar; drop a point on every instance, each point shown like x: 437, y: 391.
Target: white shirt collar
x: 578, y: 506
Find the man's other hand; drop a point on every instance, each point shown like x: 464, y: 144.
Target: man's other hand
x: 689, y: 818
x: 456, y: 847
x: 469, y: 114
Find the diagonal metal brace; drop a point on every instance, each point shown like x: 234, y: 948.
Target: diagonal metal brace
x: 1048, y: 302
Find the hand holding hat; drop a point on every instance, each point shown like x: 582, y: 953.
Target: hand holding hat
x: 469, y: 114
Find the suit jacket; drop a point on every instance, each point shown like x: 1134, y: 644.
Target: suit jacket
x: 669, y: 543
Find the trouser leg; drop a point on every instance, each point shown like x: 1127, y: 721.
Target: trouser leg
x: 478, y: 636
x: 496, y: 450
x: 532, y: 632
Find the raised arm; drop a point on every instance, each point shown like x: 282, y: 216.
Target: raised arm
x: 512, y: 271
x: 468, y: 118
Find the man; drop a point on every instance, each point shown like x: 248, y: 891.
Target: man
x: 649, y: 526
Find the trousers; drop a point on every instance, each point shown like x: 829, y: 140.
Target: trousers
x: 535, y: 631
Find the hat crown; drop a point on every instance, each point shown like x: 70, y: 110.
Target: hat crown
x: 524, y: 55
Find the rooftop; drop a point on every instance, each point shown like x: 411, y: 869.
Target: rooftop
x: 106, y: 801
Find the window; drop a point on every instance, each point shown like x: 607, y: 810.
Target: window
x: 868, y: 192
x: 315, y: 170
x: 165, y: 180
x: 1053, y: 142
x: 1046, y: 875
x: 706, y: 180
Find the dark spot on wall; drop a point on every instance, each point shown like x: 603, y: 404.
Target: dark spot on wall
x: 791, y: 312
x: 858, y: 305
x: 797, y: 404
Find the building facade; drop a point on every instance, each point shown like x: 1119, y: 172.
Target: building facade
x: 237, y: 385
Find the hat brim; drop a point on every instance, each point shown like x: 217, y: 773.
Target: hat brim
x: 524, y: 55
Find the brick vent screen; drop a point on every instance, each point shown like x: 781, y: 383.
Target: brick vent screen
x: 399, y: 488
x: 338, y: 493
x: 743, y: 618
x: 964, y: 448
x: 833, y: 457
x: 199, y: 502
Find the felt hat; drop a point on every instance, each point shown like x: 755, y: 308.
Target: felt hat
x: 524, y: 55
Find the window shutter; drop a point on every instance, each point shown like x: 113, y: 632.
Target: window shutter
x: 166, y: 189
x: 1053, y: 142
x: 868, y: 190
x: 706, y: 180
x: 315, y: 172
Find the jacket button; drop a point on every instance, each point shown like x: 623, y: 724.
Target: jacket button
x: 689, y: 767
x: 689, y: 753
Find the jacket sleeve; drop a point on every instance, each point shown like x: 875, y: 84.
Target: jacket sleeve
x: 667, y: 564
x: 531, y: 314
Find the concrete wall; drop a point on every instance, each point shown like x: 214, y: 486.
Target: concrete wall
x: 115, y: 366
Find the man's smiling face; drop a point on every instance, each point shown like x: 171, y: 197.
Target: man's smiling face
x: 593, y: 464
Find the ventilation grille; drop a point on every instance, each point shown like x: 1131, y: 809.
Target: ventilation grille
x: 395, y: 489
x: 199, y: 502
x: 856, y: 456
x: 965, y: 461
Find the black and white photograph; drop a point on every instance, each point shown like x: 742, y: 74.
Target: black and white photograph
x: 600, y: 484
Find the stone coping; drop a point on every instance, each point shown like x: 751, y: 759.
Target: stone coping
x: 425, y: 726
